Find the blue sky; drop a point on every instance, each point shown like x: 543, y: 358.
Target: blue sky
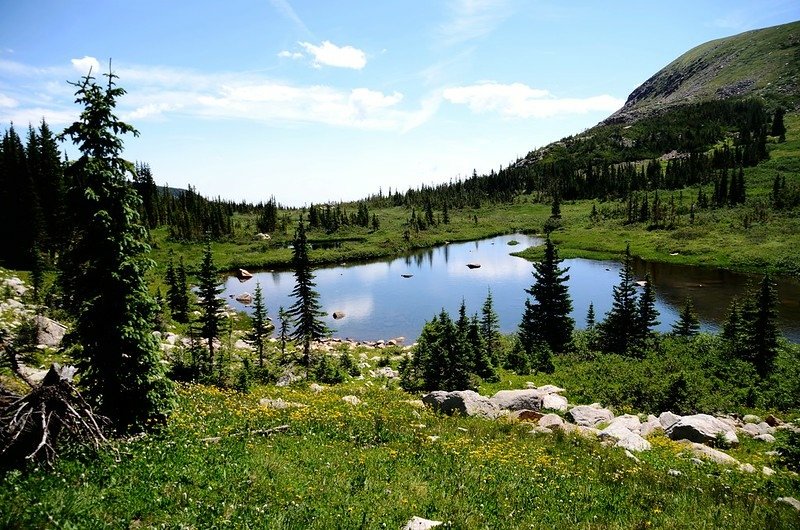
x: 313, y: 101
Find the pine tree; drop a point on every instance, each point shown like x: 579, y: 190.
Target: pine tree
x: 305, y: 311
x: 647, y: 317
x: 778, y: 128
x: 490, y: 329
x: 688, y: 324
x: 546, y: 320
x: 181, y: 310
x: 262, y: 327
x: 590, y: 317
x: 103, y: 269
x: 482, y: 364
x: 618, y: 330
x: 285, y: 321
x: 761, y: 321
x: 210, y: 306
x: 733, y: 329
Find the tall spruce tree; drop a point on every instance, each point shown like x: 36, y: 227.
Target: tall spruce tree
x: 590, y: 317
x: 618, y: 330
x: 733, y: 330
x: 306, y: 311
x: 546, y: 320
x: 647, y: 317
x: 103, y: 269
x: 761, y: 321
x: 490, y: 329
x: 210, y: 306
x: 262, y: 327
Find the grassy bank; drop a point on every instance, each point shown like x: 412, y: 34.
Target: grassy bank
x: 377, y: 464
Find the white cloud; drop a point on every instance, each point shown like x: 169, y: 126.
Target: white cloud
x: 329, y: 54
x: 290, y: 55
x: 472, y: 19
x: 518, y: 100
x: 83, y: 65
x: 7, y: 102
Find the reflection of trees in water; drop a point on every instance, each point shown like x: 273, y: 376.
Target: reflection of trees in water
x: 430, y: 258
x: 447, y: 253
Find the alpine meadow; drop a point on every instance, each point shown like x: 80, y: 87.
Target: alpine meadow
x: 186, y: 357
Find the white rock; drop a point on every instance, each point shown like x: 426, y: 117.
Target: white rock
x: 550, y: 420
x: 701, y: 428
x: 751, y: 418
x: 674, y: 473
x: 590, y: 416
x: 668, y: 419
x: 353, y: 400
x: 554, y: 402
x: 791, y: 501
x: 704, y: 451
x: 530, y: 399
x: 768, y: 471
x: 418, y: 523
x: 316, y: 388
x: 634, y: 442
x: 747, y: 468
x: 465, y: 402
x: 627, y: 420
x: 768, y: 438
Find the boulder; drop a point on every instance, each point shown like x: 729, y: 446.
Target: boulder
x: 701, y: 428
x: 650, y: 426
x: 50, y: 332
x: 633, y: 442
x: 286, y: 379
x: 615, y: 431
x: 245, y: 298
x: 316, y: 388
x: 547, y: 389
x: 262, y: 237
x: 337, y: 315
x: 243, y: 275
x: 747, y: 468
x: 384, y: 371
x: 465, y: 402
x: 241, y: 344
x: 580, y: 430
x: 279, y: 404
x: 751, y: 418
x: 708, y: 453
x: 554, y: 402
x: 791, y: 501
x: 768, y: 438
x: 750, y: 429
x: 529, y: 399
x: 16, y: 285
x: 767, y: 471
x: 772, y: 421
x: 589, y: 416
x: 353, y: 400
x: 627, y: 420
x: 526, y: 415
x: 418, y: 523
x: 668, y: 419
x: 550, y: 420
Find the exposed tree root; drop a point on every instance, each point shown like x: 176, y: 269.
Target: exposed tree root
x: 32, y: 426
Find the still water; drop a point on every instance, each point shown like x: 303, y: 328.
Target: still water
x: 380, y: 303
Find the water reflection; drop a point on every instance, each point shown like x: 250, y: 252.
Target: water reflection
x: 380, y: 301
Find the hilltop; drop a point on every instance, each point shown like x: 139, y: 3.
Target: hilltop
x: 763, y: 62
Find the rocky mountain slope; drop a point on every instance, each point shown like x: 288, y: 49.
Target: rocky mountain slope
x: 763, y: 62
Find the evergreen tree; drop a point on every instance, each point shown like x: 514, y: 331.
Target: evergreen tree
x: 262, y: 327
x: 285, y: 321
x: 590, y: 317
x: 103, y: 269
x: 647, y: 312
x: 761, y: 321
x: 181, y: 310
x: 733, y: 329
x: 688, y: 324
x: 305, y: 311
x: 778, y: 128
x: 618, y: 330
x: 210, y: 306
x: 481, y: 362
x: 547, y: 320
x: 490, y: 329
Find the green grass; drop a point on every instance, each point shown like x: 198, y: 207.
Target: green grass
x: 375, y: 466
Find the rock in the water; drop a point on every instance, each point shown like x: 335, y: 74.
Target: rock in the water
x: 791, y: 501
x: 353, y: 400
x: 338, y: 315
x: 243, y: 275
x: 465, y: 402
x: 589, y: 416
x: 550, y: 420
x: 701, y: 428
x: 554, y: 402
x: 50, y: 332
x: 418, y: 523
x: 530, y: 399
x: 245, y: 298
x: 474, y: 265
x: 708, y: 453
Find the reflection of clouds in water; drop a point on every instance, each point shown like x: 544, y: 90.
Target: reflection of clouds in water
x: 357, y: 308
x: 492, y: 268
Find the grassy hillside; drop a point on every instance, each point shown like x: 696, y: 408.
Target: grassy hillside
x: 763, y: 62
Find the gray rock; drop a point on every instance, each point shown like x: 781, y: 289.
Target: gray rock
x: 709, y: 453
x: 634, y: 442
x: 526, y: 415
x: 465, y: 402
x: 530, y: 399
x: 766, y: 437
x: 650, y: 426
x: 750, y: 429
x: 701, y: 428
x: 286, y: 379
x: 630, y: 421
x: 16, y: 285
x: 316, y: 388
x: 51, y: 333
x: 279, y: 404
x: 668, y: 419
x: 751, y: 418
x: 554, y: 402
x: 767, y: 471
x: 580, y: 430
x: 615, y: 431
x: 765, y: 428
x: 550, y: 420
x: 589, y: 416
x: 384, y: 371
x: 548, y: 389
x: 791, y: 501
x: 674, y: 473
x: 747, y: 468
x: 353, y: 400
x: 245, y: 298
x: 418, y: 523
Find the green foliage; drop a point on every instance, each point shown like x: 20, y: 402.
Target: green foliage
x: 620, y: 329
x: 211, y: 304
x: 688, y: 324
x: 328, y: 372
x: 546, y: 321
x: 103, y: 268
x: 789, y: 450
x: 261, y: 325
x: 761, y: 317
x: 305, y: 311
x: 647, y: 317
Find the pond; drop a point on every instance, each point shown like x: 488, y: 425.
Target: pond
x: 395, y: 297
